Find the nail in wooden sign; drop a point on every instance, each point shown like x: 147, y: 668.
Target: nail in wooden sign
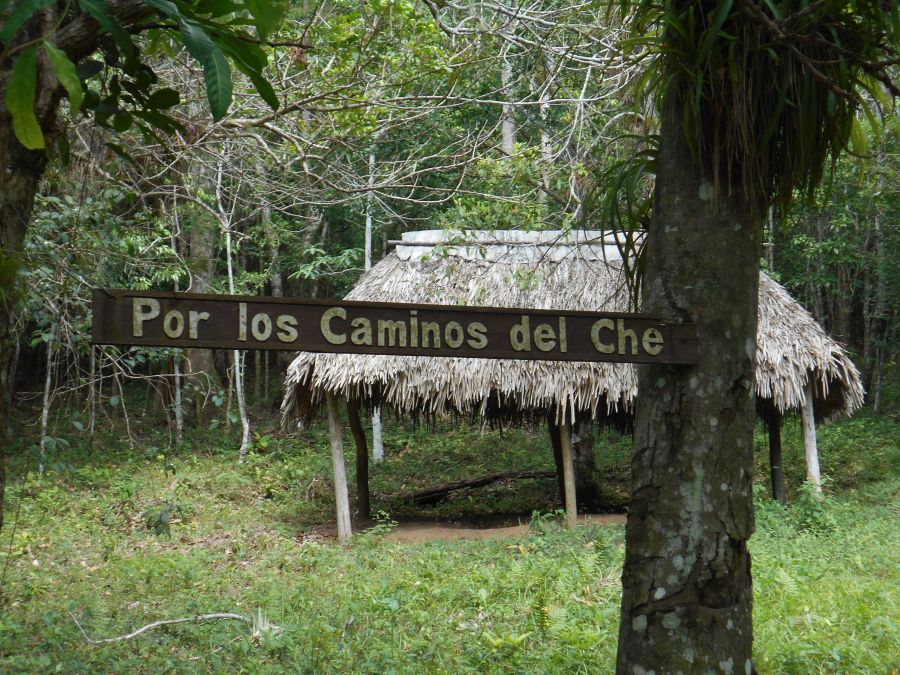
x: 160, y: 319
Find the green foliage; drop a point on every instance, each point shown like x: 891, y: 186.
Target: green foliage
x: 16, y: 19
x: 767, y: 92
x: 9, y: 269
x: 74, y: 245
x: 383, y: 526
x: 837, y: 255
x: 93, y: 539
x: 126, y: 95
x: 853, y: 453
x: 815, y: 587
x: 19, y: 100
x: 545, y: 523
x: 500, y: 182
x: 814, y: 508
x: 161, y: 519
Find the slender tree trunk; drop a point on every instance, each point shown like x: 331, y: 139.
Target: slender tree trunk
x: 687, y: 596
x: 257, y: 378
x: 201, y: 375
x: 228, y: 390
x: 92, y: 396
x: 341, y: 497
x: 377, y: 436
x: 370, y: 203
x: 121, y: 394
x: 377, y: 439
x: 869, y: 273
x: 179, y: 408
x: 882, y: 331
x: 876, y: 386
x: 266, y: 387
x: 544, y: 109
x: 225, y: 220
x: 508, y: 121
x: 242, y: 404
x: 809, y: 438
x: 45, y: 410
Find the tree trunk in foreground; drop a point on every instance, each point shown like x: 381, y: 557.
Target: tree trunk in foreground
x: 687, y: 597
x: 19, y: 179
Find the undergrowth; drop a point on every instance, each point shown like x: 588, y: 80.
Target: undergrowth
x: 124, y: 536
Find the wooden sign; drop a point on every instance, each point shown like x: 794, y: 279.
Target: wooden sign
x: 236, y: 322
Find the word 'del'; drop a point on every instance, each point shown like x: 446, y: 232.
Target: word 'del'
x: 229, y: 322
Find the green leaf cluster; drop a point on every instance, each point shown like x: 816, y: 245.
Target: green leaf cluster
x: 768, y: 92
x: 213, y: 32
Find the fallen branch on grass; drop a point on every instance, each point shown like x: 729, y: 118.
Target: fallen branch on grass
x: 259, y: 622
x: 434, y: 495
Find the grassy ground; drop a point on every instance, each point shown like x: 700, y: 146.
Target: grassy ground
x: 120, y: 537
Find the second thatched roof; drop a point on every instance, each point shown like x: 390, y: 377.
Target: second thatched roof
x: 577, y: 271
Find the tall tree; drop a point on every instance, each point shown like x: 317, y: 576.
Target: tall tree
x: 755, y: 97
x: 45, y: 50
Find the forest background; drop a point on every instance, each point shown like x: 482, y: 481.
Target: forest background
x: 388, y: 121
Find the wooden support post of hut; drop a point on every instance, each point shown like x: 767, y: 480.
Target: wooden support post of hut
x: 809, y: 438
x: 565, y: 442
x: 362, y: 459
x: 341, y: 498
x: 773, y: 422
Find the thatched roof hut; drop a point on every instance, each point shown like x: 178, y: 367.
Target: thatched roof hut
x: 581, y: 270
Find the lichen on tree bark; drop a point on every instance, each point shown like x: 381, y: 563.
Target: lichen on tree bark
x: 687, y: 593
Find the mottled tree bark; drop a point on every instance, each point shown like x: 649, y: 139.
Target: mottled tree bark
x: 687, y: 596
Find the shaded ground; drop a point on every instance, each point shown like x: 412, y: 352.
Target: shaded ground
x: 463, y: 528
x: 485, y: 582
x: 421, y: 531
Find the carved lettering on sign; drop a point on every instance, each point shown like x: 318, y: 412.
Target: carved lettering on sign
x: 185, y: 319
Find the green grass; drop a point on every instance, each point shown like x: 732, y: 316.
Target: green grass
x: 86, y: 542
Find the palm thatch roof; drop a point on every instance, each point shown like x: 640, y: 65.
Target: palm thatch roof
x: 579, y: 270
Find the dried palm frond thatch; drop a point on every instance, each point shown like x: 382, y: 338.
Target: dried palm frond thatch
x: 580, y: 270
